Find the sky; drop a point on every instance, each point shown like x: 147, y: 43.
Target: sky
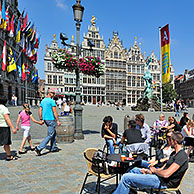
x: 129, y: 18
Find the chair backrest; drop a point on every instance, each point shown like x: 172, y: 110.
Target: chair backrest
x: 138, y: 147
x: 88, y: 154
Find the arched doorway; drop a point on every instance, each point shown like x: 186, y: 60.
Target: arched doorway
x: 9, y: 94
x: 1, y: 90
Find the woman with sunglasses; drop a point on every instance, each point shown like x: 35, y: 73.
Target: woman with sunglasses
x: 162, y: 154
x: 173, y: 125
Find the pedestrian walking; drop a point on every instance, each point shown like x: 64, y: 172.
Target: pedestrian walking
x: 25, y: 116
x: 59, y: 103
x: 5, y: 125
x: 13, y: 100
x: 48, y: 113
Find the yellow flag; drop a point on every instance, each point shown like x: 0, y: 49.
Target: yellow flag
x: 11, y: 61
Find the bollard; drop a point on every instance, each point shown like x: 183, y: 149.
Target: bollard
x: 65, y: 132
x: 127, y: 118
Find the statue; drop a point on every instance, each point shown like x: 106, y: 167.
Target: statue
x: 93, y: 21
x: 148, y: 79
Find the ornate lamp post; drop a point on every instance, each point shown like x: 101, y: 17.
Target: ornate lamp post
x: 78, y: 13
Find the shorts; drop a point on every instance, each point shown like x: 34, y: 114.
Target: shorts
x: 5, y: 136
x: 26, y: 130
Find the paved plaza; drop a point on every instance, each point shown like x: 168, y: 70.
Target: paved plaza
x: 64, y: 171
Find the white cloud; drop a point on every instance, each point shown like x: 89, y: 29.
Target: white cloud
x: 61, y: 4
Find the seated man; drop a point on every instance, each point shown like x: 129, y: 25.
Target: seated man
x: 143, y: 127
x: 109, y: 133
x: 132, y: 134
x: 169, y: 175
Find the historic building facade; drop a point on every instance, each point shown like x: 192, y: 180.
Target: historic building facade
x: 115, y: 60
x: 10, y: 83
x: 93, y: 88
x: 123, y: 81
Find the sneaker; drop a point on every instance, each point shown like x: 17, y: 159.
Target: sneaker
x: 37, y: 151
x: 55, y: 150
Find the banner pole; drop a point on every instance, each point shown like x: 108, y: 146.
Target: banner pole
x: 161, y: 107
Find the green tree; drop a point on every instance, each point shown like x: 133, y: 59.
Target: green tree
x: 168, y: 93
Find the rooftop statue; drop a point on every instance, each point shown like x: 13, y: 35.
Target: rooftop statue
x: 93, y: 21
x: 148, y: 79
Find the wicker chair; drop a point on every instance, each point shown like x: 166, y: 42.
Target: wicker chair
x: 101, y: 177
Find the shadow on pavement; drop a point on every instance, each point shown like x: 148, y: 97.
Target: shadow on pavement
x: 85, y: 132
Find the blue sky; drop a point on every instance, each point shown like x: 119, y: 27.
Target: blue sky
x: 130, y: 18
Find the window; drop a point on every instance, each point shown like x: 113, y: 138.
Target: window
x: 49, y: 67
x: 107, y: 63
x: 71, y: 80
x: 133, y: 81
x: 66, y: 80
x: 98, y: 53
x: 98, y: 80
x: 54, y: 79
x: 93, y: 34
x: 93, y: 90
x: 129, y: 81
x: 97, y: 44
x: 84, y: 90
x: 129, y: 68
x: 133, y: 69
x: 49, y: 79
x: 84, y: 80
x: 138, y: 69
x: 71, y: 89
x: 94, y: 80
x: 142, y: 69
x: 89, y: 80
x: 89, y: 90
x: 102, y: 55
x: 116, y: 55
x: 66, y: 89
x: 60, y: 79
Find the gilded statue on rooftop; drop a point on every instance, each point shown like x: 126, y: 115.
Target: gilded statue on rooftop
x: 93, y: 21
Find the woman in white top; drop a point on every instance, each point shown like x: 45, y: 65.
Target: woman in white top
x: 159, y: 124
x: 187, y: 131
x: 5, y: 125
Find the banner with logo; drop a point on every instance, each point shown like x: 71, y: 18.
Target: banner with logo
x: 165, y: 53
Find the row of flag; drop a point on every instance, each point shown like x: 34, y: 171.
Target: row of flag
x: 9, y: 63
x: 22, y: 31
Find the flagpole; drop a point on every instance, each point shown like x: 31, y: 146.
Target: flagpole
x: 161, y: 107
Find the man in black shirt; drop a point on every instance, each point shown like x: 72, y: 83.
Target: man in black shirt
x: 169, y: 175
x: 132, y: 134
x: 109, y: 132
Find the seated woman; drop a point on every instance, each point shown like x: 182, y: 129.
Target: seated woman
x: 132, y: 135
x: 159, y: 124
x: 187, y: 131
x: 173, y: 125
x: 162, y: 155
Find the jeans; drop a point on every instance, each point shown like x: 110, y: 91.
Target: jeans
x: 136, y: 179
x: 111, y: 145
x: 51, y: 136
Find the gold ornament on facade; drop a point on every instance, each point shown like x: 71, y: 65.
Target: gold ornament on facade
x: 116, y: 40
x: 72, y: 37
x: 93, y: 21
x: 54, y: 36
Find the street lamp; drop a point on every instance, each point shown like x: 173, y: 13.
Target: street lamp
x: 78, y: 13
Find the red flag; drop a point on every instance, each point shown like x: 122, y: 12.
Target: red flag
x: 23, y: 72
x: 11, y: 33
x: 25, y: 22
x: 3, y: 56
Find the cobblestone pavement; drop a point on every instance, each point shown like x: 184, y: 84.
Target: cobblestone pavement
x: 64, y: 171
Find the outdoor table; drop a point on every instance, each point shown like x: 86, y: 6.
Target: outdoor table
x: 117, y: 158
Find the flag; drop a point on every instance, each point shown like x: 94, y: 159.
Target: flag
x: 15, y: 60
x: 37, y: 42
x: 165, y: 53
x: 18, y: 33
x: 6, y: 25
x: 25, y: 22
x: 11, y: 33
x: 3, y: 56
x: 154, y: 84
x: 23, y: 72
x: 35, y: 77
x: 33, y: 34
x: 19, y: 66
x: 31, y: 73
x: 0, y: 13
x: 11, y: 65
x: 3, y: 16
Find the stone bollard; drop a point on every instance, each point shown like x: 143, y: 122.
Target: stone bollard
x: 65, y: 132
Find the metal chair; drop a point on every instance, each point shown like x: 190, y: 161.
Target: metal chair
x: 101, y: 177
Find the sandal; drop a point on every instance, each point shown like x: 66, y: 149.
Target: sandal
x: 22, y: 152
x: 9, y: 158
x: 32, y: 149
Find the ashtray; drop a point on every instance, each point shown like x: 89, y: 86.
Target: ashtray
x: 128, y: 158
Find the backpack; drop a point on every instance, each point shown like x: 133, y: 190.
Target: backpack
x: 99, y: 160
